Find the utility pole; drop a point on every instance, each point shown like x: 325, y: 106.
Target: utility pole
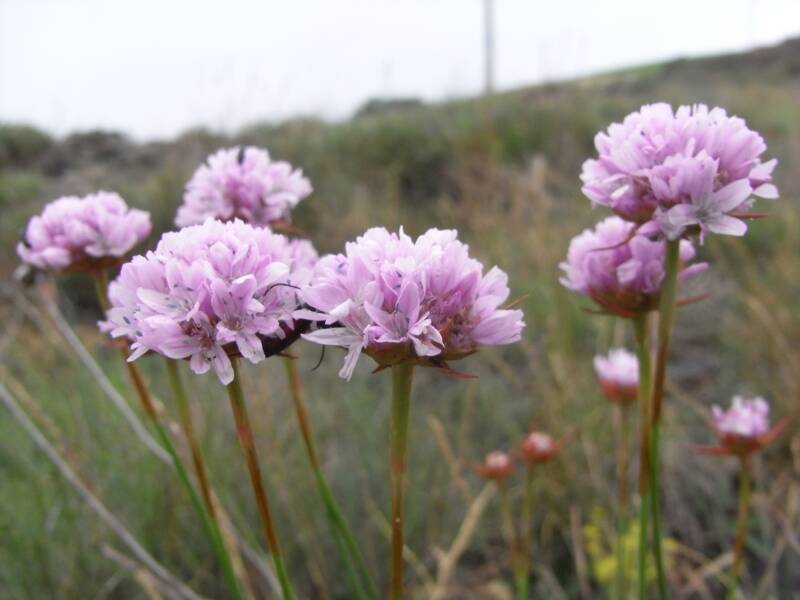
x: 488, y: 46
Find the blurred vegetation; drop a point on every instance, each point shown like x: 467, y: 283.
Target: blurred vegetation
x: 504, y: 171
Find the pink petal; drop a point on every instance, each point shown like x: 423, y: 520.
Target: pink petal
x: 732, y: 196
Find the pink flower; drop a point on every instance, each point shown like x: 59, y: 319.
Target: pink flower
x: 399, y: 299
x: 83, y: 234
x: 746, y: 418
x: 208, y: 292
x: 539, y: 448
x: 620, y: 269
x: 496, y: 466
x: 242, y: 183
x: 683, y: 168
x: 618, y: 374
x: 743, y: 428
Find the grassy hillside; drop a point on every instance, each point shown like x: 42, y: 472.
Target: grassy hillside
x: 504, y: 171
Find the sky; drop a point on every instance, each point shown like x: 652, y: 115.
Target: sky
x: 154, y: 68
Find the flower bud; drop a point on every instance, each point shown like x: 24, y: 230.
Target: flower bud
x: 496, y: 466
x: 538, y: 448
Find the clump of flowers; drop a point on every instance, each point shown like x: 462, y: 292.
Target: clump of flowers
x: 208, y: 292
x: 399, y: 300
x: 618, y: 374
x: 83, y: 234
x: 243, y: 183
x: 621, y: 269
x: 496, y: 466
x: 690, y: 169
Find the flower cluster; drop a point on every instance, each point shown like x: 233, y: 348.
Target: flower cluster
x: 210, y: 291
x: 746, y: 418
x: 538, y: 448
x: 618, y: 374
x: 744, y: 428
x: 401, y: 300
x: 83, y: 234
x: 690, y: 169
x: 621, y: 268
x: 243, y: 183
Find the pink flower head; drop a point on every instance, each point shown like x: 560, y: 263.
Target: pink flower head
x: 743, y: 428
x: 688, y: 169
x: 539, y: 448
x: 621, y: 269
x: 496, y: 466
x: 747, y: 417
x: 618, y: 374
x: 208, y: 292
x: 399, y: 299
x: 242, y: 183
x: 83, y: 234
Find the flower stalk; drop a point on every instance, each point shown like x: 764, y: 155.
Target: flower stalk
x: 514, y: 547
x: 640, y: 326
x: 358, y: 571
x: 527, y: 536
x: 666, y: 318
x: 745, y: 486
x: 187, y: 424
x: 209, y: 523
x: 402, y: 376
x: 245, y: 434
x: 621, y: 582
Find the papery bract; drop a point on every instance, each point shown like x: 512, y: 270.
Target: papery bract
x: 621, y: 269
x: 398, y: 299
x: 243, y: 183
x: 210, y: 291
x: 83, y: 234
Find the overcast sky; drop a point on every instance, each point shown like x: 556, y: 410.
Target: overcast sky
x: 153, y: 68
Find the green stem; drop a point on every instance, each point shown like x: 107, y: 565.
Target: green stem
x: 354, y: 560
x: 640, y: 326
x: 402, y: 376
x: 526, y: 534
x: 745, y: 485
x: 245, y: 434
x: 666, y: 318
x: 211, y: 527
x: 622, y: 499
x: 507, y: 523
x: 187, y: 424
x: 655, y: 506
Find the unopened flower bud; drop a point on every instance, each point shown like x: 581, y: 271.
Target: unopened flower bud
x: 538, y: 448
x: 496, y: 466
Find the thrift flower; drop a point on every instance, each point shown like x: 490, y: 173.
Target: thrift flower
x: 496, y: 466
x: 539, y: 448
x: 746, y: 418
x: 83, y: 234
x: 208, y: 292
x: 618, y: 374
x: 690, y: 168
x: 243, y: 183
x: 621, y: 268
x: 398, y: 300
x: 744, y: 427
